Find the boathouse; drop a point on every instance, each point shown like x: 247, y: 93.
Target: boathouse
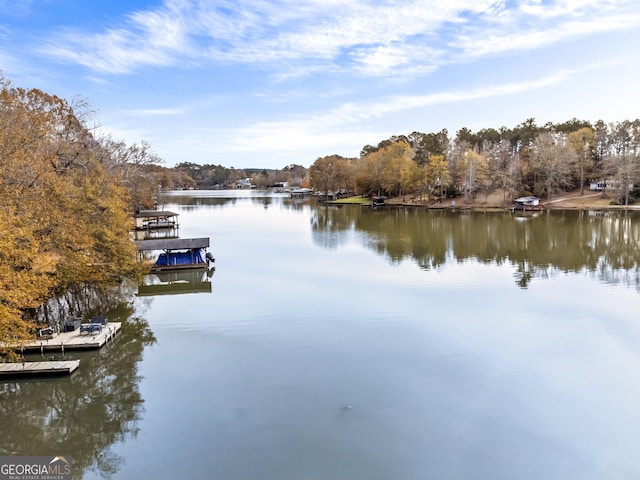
x: 178, y: 253
x: 152, y: 219
x: 527, y: 203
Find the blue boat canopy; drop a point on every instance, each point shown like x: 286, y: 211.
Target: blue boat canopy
x: 194, y: 256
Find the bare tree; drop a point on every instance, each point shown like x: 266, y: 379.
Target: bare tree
x: 505, y: 169
x: 621, y: 162
x: 473, y: 173
x: 328, y: 173
x: 582, y: 142
x: 552, y: 161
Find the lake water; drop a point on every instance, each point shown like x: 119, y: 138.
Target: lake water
x: 351, y: 343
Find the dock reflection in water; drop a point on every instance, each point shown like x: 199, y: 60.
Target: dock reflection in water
x: 176, y: 283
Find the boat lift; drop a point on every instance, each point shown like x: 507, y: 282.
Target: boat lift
x: 179, y: 253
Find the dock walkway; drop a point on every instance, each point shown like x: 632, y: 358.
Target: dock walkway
x: 74, y: 340
x: 19, y: 369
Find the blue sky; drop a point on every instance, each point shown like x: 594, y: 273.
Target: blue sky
x: 268, y: 83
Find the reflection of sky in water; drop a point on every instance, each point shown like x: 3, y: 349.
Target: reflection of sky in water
x: 453, y: 372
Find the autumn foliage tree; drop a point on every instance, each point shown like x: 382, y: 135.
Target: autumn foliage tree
x: 387, y: 170
x: 437, y: 176
x: 330, y: 173
x: 64, y: 213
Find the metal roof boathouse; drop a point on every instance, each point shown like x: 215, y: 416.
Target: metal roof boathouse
x: 179, y: 253
x: 152, y: 219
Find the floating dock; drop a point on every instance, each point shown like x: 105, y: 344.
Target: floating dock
x: 72, y: 340
x: 19, y: 369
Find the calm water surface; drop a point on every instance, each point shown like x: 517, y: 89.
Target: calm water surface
x: 346, y: 343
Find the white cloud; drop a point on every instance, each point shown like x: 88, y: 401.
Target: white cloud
x: 298, y: 38
x: 394, y: 60
x: 266, y: 32
x: 155, y: 112
x: 340, y: 126
x: 571, y: 8
x: 533, y: 24
x: 111, y: 52
x: 494, y: 41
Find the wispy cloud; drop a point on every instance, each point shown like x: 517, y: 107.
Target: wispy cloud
x: 361, y: 37
x: 536, y: 24
x: 340, y: 125
x: 383, y: 59
x: 155, y: 112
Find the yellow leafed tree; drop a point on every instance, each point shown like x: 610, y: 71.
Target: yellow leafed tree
x: 437, y: 176
x: 63, y: 217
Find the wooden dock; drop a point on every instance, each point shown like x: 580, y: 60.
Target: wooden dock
x: 73, y: 340
x: 19, y: 369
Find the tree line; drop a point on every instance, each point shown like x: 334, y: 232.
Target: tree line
x: 525, y: 160
x: 189, y: 175
x: 66, y: 202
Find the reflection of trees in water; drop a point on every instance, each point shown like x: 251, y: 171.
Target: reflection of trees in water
x: 265, y: 199
x: 87, y: 301
x: 196, y: 203
x: 526, y: 271
x: 403, y: 236
x: 84, y: 415
x: 297, y: 204
x: 539, y: 246
x: 330, y: 224
x: 605, y: 272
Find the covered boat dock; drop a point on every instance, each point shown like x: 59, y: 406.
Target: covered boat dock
x: 178, y: 253
x: 154, y: 219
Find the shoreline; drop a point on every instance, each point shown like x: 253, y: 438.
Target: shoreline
x: 494, y: 203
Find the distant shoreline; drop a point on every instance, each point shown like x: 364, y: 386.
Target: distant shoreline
x: 494, y: 202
